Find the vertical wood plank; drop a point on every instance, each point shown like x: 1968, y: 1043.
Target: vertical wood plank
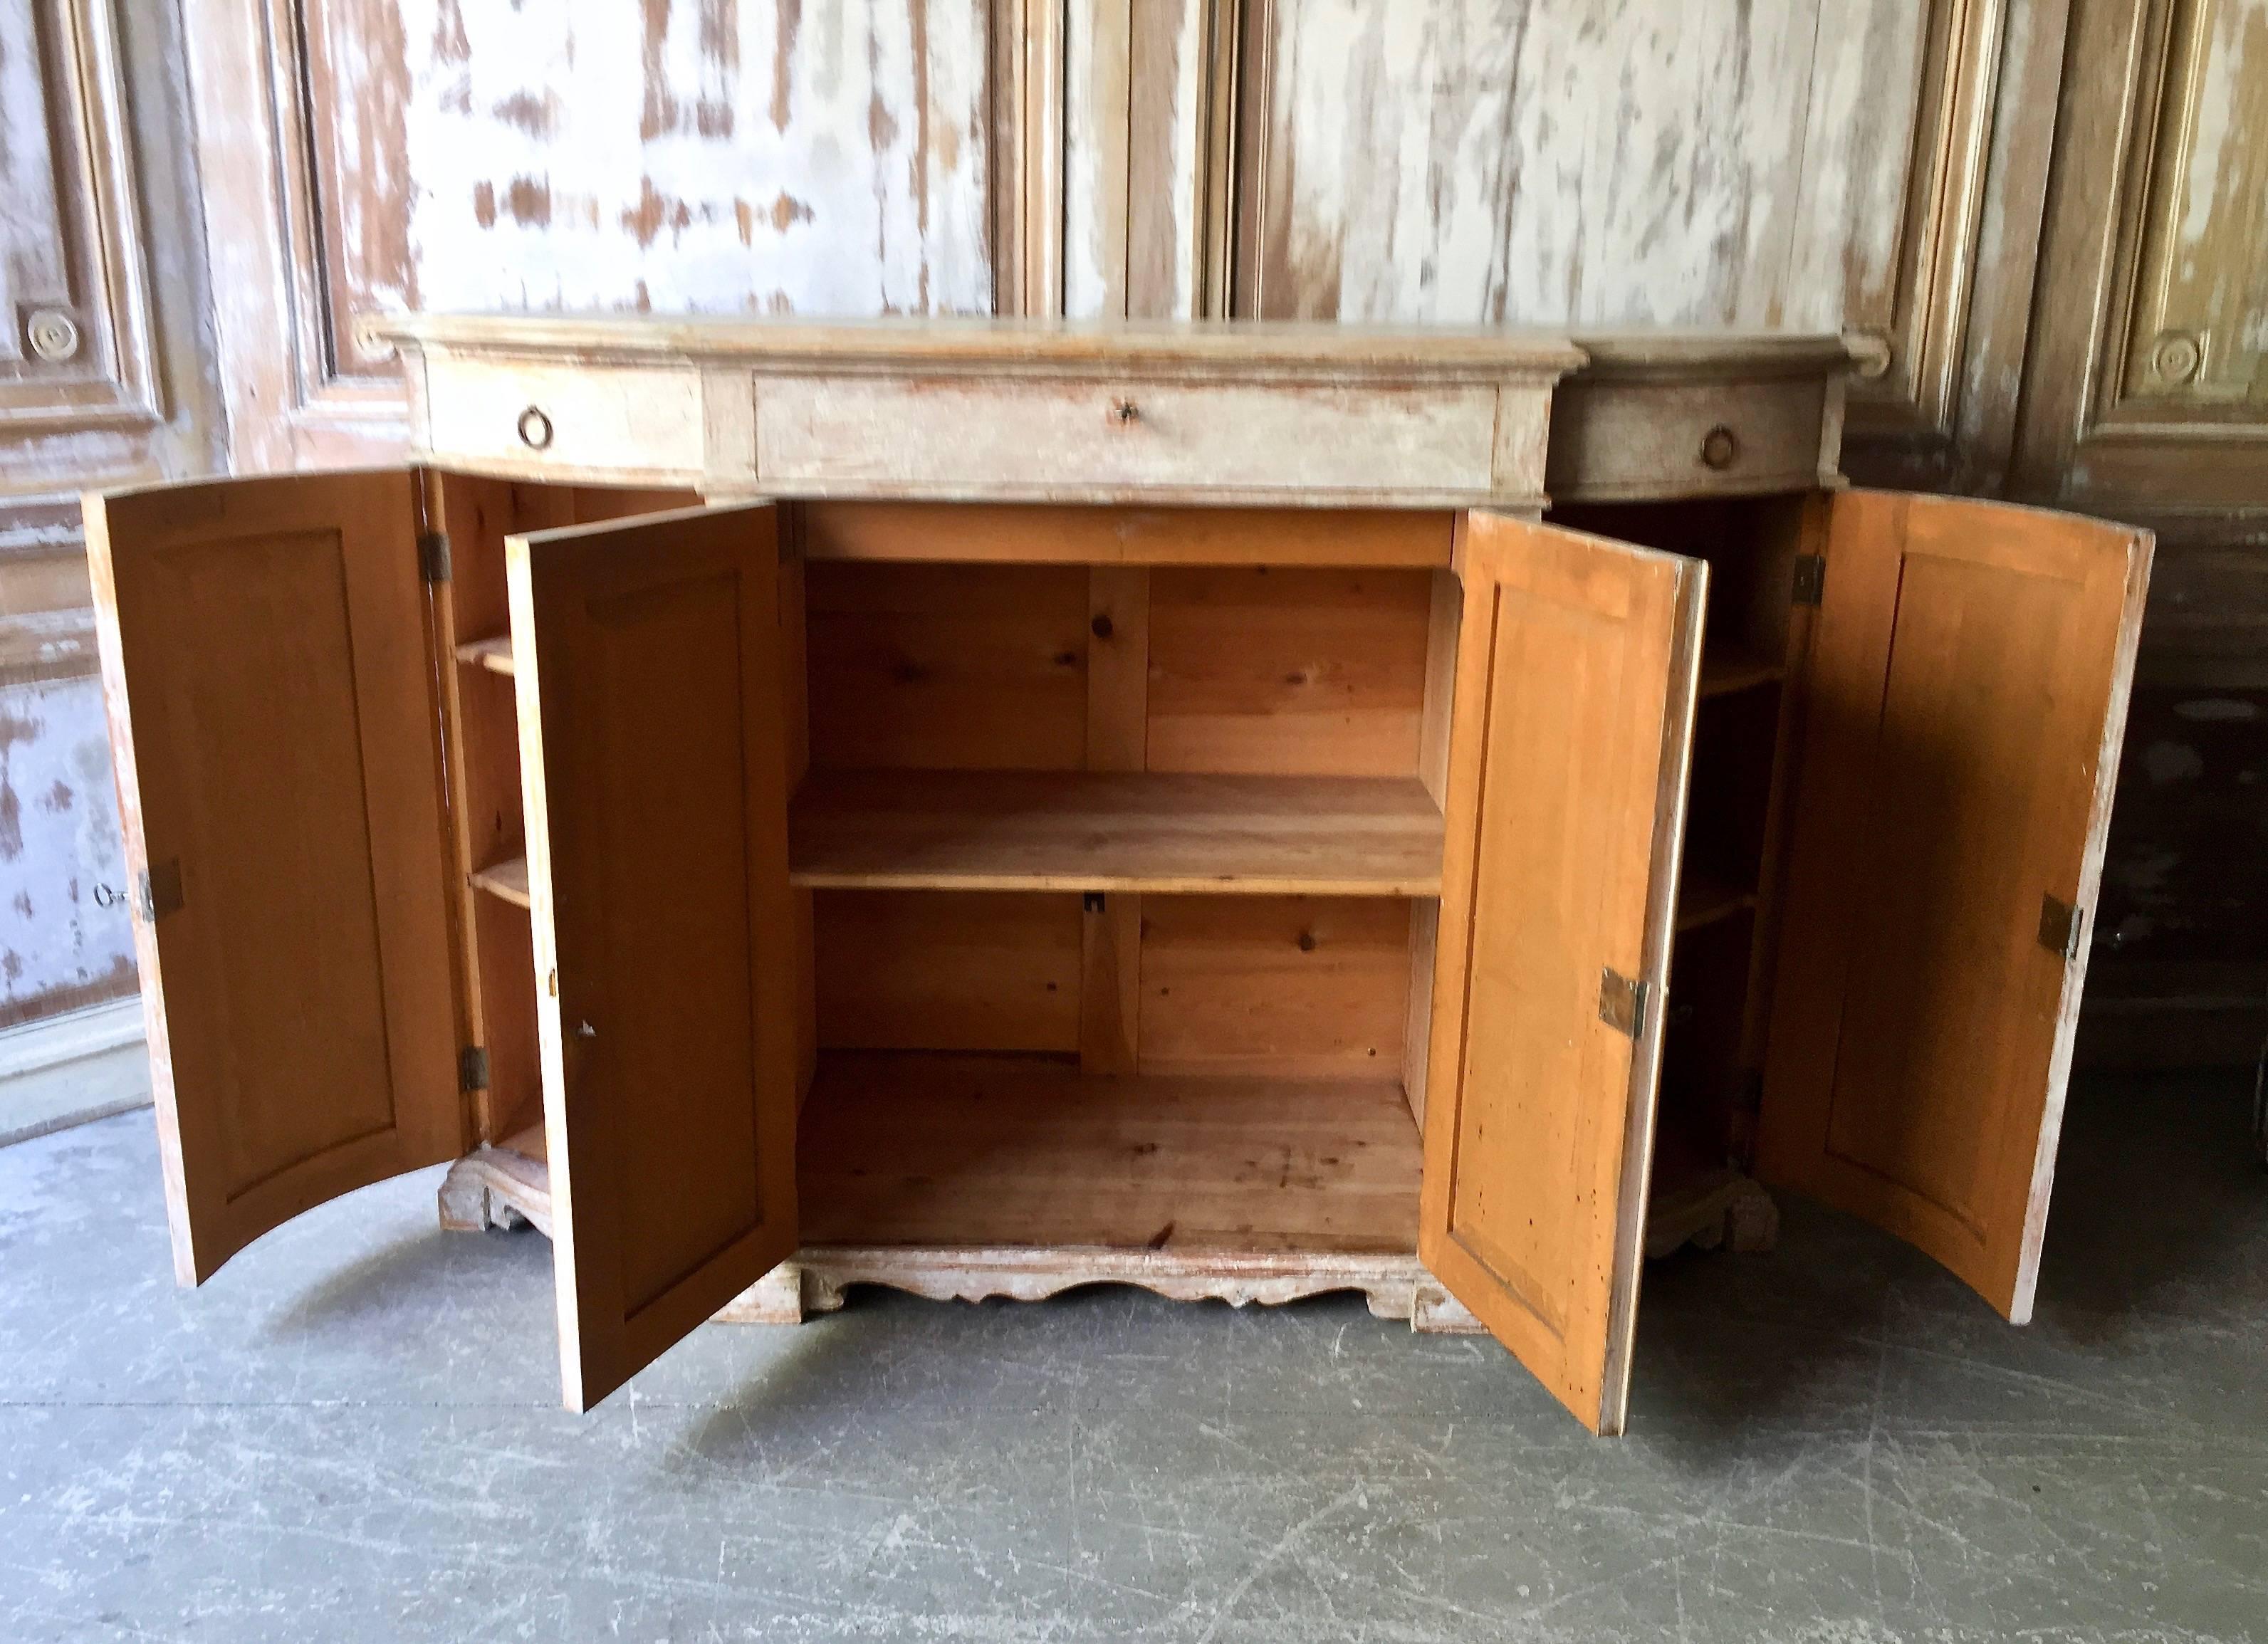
x: 1118, y: 667
x: 1110, y: 984
x: 1445, y: 617
x: 1098, y: 60
x: 1118, y: 730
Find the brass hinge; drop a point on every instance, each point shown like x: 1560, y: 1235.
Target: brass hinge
x: 433, y: 556
x: 1622, y: 1002
x: 2062, y: 927
x: 473, y: 1068
x: 1810, y: 578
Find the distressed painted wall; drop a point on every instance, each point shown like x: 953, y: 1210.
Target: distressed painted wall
x: 1592, y: 162
x: 107, y: 378
x: 64, y: 940
x: 60, y: 861
x: 681, y: 155
x: 2202, y: 311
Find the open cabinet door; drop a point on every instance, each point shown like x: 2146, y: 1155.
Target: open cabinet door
x: 1577, y: 665
x: 268, y: 660
x: 1964, y: 700
x: 652, y: 764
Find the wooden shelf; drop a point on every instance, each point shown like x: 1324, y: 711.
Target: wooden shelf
x: 1085, y: 831
x: 493, y: 653
x: 1703, y: 901
x: 508, y: 880
x: 913, y: 1148
x: 1725, y: 669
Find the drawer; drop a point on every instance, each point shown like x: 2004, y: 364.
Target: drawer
x: 588, y: 420
x: 944, y: 436
x: 1619, y: 438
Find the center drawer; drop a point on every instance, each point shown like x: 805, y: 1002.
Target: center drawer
x: 945, y: 437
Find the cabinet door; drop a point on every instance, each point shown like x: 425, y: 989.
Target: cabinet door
x: 1965, y: 694
x: 1572, y: 733
x: 653, y: 766
x: 268, y: 659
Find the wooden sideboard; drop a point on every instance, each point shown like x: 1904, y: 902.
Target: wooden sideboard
x: 983, y: 807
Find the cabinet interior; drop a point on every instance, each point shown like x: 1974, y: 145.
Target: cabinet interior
x: 1736, y: 818
x: 1119, y: 881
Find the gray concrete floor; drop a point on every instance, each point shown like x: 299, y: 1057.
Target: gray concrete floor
x: 353, y: 1434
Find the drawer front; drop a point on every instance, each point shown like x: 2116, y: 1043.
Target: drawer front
x: 948, y: 435
x: 1622, y: 440
x: 592, y: 420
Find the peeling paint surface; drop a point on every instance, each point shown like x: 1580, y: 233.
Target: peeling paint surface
x: 681, y: 155
x: 352, y: 1432
x: 1594, y: 162
x: 2203, y: 332
x: 61, y: 931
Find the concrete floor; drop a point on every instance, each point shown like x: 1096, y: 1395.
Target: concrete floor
x: 353, y: 1434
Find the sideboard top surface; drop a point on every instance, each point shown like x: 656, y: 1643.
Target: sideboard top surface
x: 1069, y: 344
x: 1220, y: 412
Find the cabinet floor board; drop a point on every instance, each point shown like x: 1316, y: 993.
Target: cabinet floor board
x: 922, y: 1149
x: 1094, y: 830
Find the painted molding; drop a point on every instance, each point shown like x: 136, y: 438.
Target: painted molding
x: 71, y: 1069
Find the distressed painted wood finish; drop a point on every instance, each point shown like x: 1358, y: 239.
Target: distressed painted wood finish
x: 729, y: 156
x: 2200, y: 330
x: 2147, y: 388
x: 101, y: 299
x: 77, y: 343
x: 1027, y: 409
x: 1814, y: 164
x: 1145, y: 157
x: 65, y: 942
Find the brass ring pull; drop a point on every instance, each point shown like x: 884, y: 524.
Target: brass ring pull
x: 534, y: 429
x: 1125, y: 411
x: 1720, y: 448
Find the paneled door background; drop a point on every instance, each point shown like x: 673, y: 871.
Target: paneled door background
x: 2054, y: 214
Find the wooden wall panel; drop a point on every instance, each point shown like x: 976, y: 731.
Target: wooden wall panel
x: 2145, y: 398
x: 1149, y: 94
x: 77, y: 347
x: 2201, y: 325
x: 105, y: 378
x: 1810, y: 163
x: 101, y: 377
x: 685, y: 155
x: 65, y: 939
x: 2147, y: 389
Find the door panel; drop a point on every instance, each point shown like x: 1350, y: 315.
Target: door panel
x: 269, y: 665
x: 1572, y: 733
x: 1964, y: 701
x: 652, y: 758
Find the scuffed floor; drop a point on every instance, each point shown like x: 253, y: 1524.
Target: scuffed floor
x: 353, y: 1434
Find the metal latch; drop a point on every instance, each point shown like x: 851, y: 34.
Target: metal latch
x: 1622, y: 1002
x: 473, y: 1068
x: 1810, y: 578
x: 433, y: 556
x: 2062, y: 927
